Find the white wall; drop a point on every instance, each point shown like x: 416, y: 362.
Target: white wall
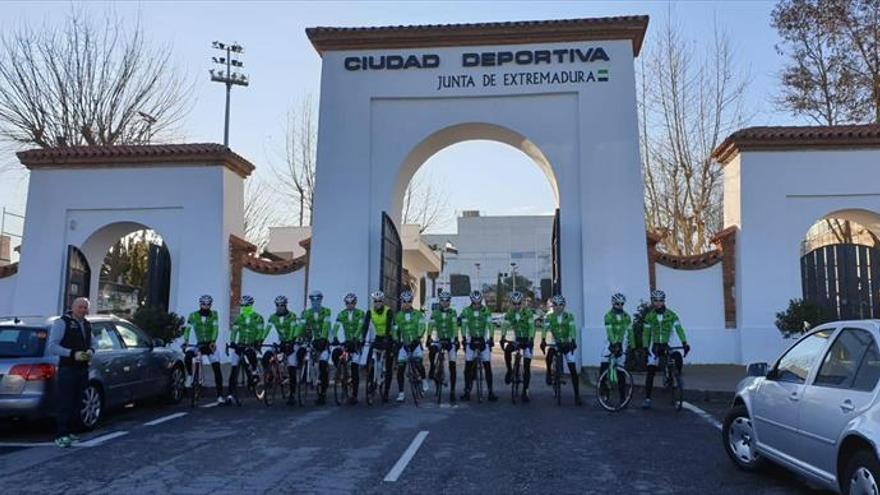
x: 7, y: 294
x: 264, y: 288
x: 287, y: 239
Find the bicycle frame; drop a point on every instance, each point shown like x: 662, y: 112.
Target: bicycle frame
x: 377, y: 363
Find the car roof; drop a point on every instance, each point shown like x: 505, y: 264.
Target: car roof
x: 873, y: 322
x: 46, y: 321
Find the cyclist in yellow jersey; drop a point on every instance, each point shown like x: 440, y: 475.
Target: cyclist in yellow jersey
x: 378, y: 322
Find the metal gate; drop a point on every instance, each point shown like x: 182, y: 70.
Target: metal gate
x: 556, y: 264
x: 391, y: 263
x: 78, y: 277
x: 843, y: 279
x: 158, y: 276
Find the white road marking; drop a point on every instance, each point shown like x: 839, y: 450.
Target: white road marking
x: 406, y: 457
x: 163, y: 419
x: 103, y: 438
x: 212, y: 404
x: 27, y: 444
x: 703, y: 414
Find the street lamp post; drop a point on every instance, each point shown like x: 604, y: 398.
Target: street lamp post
x: 226, y: 75
x: 513, y: 275
x: 479, y: 286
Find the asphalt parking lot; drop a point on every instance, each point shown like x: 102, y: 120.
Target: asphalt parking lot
x: 399, y: 448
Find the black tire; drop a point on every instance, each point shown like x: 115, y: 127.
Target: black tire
x: 176, y: 379
x: 603, y: 384
x: 557, y: 378
x: 91, y: 411
x: 516, y: 379
x: 196, y: 390
x: 737, y: 435
x: 270, y: 386
x: 479, y: 378
x: 414, y: 385
x: 303, y: 388
x: 341, y: 383
x: 439, y: 375
x: 370, y: 386
x: 677, y: 391
x: 863, y: 471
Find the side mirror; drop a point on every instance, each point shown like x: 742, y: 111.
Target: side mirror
x: 757, y: 369
x: 158, y: 343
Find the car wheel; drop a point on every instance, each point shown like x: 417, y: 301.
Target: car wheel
x: 175, y: 386
x: 862, y: 474
x: 738, y: 436
x: 92, y: 408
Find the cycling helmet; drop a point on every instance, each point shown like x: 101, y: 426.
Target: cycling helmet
x: 316, y: 295
x: 476, y: 296
x: 247, y: 301
x: 378, y: 296
x: 206, y: 300
x: 281, y: 300
x: 558, y: 300
x: 516, y: 297
x: 406, y: 296
x: 445, y: 296
x: 350, y: 298
x: 658, y: 295
x: 618, y: 299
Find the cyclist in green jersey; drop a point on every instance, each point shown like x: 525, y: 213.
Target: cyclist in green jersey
x: 476, y: 332
x: 561, y: 326
x: 618, y: 328
x: 658, y: 326
x: 247, y: 329
x: 522, y: 321
x: 316, y: 326
x: 284, y: 322
x: 408, y: 331
x: 205, y: 324
x: 347, y: 335
x: 444, y: 325
x: 378, y: 322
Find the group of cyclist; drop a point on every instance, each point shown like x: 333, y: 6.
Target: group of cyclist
x: 405, y: 334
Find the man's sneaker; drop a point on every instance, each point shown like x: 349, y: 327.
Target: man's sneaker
x: 188, y: 381
x: 74, y: 439
x: 426, y: 386
x: 646, y: 404
x: 221, y: 400
x: 400, y: 397
x: 508, y: 377
x: 63, y: 442
x: 493, y: 397
x: 229, y: 399
x: 525, y: 397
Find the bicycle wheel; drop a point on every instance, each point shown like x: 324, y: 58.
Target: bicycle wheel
x: 414, y: 385
x: 269, y: 386
x: 196, y: 390
x: 370, y: 392
x: 439, y: 375
x: 677, y: 391
x: 284, y: 382
x: 338, y: 392
x: 557, y: 378
x: 302, y: 391
x: 614, y: 395
x: 479, y: 380
x: 516, y: 379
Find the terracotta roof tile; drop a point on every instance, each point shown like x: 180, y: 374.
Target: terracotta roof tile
x: 484, y: 33
x: 797, y: 137
x: 138, y: 155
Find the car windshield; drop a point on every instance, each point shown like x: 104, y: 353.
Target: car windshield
x: 18, y: 341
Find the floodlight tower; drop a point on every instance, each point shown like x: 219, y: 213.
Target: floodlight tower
x: 227, y: 76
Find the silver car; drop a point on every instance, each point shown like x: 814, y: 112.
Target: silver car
x: 128, y: 366
x: 815, y: 411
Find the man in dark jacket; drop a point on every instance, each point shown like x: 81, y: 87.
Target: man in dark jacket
x: 71, y: 340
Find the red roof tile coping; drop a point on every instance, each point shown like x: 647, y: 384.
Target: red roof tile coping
x: 149, y: 155
x: 480, y: 34
x: 8, y: 270
x: 797, y: 137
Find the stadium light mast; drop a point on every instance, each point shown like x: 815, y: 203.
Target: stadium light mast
x: 228, y: 74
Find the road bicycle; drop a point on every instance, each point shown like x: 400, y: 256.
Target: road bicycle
x: 478, y: 345
x: 413, y: 376
x: 516, y: 379
x: 557, y: 372
x: 275, y: 377
x: 609, y: 380
x: 441, y: 358
x: 198, y: 376
x: 672, y: 380
x: 308, y: 374
x: 342, y: 386
x: 250, y: 379
x: 375, y: 373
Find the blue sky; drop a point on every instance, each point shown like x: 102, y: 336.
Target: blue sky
x: 283, y: 68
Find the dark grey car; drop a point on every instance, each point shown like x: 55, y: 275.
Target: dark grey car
x: 128, y: 366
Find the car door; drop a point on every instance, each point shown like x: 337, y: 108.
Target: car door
x: 842, y: 388
x: 775, y: 406
x: 137, y: 352
x: 110, y: 363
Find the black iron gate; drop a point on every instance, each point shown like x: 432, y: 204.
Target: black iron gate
x: 78, y: 278
x: 391, y: 262
x: 555, y: 246
x: 843, y: 279
x: 158, y: 276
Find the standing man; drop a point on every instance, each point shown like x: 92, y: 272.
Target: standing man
x: 285, y: 325
x: 247, y: 329
x: 522, y: 321
x: 205, y: 324
x: 658, y: 326
x: 561, y: 326
x: 476, y: 331
x: 409, y: 328
x: 377, y: 335
x: 347, y: 334
x: 444, y: 322
x: 316, y: 323
x: 71, y: 340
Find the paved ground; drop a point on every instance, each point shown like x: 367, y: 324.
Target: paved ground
x: 489, y: 447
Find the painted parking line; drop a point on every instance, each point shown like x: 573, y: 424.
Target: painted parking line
x: 163, y: 419
x: 27, y: 444
x: 406, y: 457
x: 212, y: 404
x: 703, y: 414
x: 103, y: 438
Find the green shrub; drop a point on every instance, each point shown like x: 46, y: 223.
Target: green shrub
x: 158, y: 323
x: 799, y: 317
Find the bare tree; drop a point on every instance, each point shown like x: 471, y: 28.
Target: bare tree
x: 689, y: 101
x: 82, y: 83
x: 424, y: 203
x: 259, y: 212
x: 296, y: 176
x: 833, y: 74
